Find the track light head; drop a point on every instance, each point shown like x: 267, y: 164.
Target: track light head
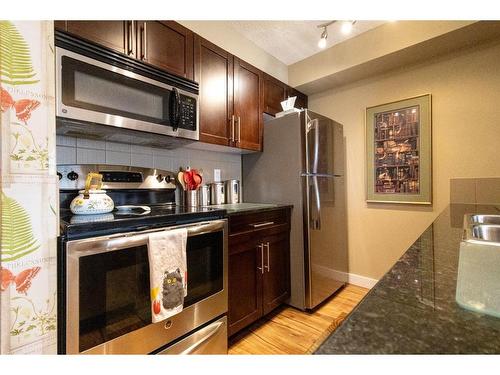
x: 324, y: 36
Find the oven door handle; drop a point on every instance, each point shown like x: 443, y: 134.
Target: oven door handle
x: 204, y: 229
x: 92, y: 246
x: 204, y: 339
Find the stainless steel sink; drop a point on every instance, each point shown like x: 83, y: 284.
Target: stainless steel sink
x: 484, y: 232
x: 484, y: 219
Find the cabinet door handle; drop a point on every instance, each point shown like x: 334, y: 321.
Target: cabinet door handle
x: 130, y: 27
x: 268, y: 263
x: 239, y: 129
x: 142, y: 37
x: 261, y: 269
x: 262, y: 224
x: 232, y: 128
x: 145, y: 42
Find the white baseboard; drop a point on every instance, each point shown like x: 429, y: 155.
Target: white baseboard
x: 362, y: 281
x: 350, y: 278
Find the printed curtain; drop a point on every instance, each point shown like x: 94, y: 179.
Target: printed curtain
x: 29, y: 194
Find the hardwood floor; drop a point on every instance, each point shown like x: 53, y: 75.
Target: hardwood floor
x: 291, y: 331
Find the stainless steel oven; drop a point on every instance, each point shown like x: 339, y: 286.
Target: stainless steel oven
x: 99, y: 89
x: 108, y: 300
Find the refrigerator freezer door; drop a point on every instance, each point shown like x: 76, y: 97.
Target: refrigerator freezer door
x: 323, y: 143
x: 326, y: 243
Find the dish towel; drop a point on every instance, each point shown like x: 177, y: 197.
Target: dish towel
x: 167, y: 272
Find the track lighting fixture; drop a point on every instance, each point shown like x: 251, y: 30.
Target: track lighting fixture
x: 324, y: 36
x: 345, y: 28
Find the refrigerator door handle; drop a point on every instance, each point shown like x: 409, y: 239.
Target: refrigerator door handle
x: 317, y: 220
x: 320, y: 175
x: 314, y: 124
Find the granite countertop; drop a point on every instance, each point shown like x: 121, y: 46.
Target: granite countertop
x: 245, y: 208
x: 412, y: 309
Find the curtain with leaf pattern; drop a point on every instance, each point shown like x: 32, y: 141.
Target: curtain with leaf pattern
x: 28, y: 189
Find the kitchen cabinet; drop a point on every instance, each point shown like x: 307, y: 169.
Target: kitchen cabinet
x: 164, y: 44
x: 248, y: 103
x: 213, y: 70
x: 259, y: 265
x: 301, y: 101
x: 274, y: 94
x: 116, y: 35
x: 230, y: 98
x: 276, y: 280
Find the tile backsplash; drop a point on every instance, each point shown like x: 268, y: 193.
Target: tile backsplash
x: 72, y: 150
x: 475, y: 190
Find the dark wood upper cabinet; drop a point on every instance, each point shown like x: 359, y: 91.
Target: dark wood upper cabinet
x: 301, y: 101
x: 166, y: 45
x: 213, y: 70
x: 274, y: 94
x: 248, y: 103
x: 112, y: 34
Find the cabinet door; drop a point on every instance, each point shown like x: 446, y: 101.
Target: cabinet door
x: 276, y: 270
x: 112, y: 34
x: 166, y: 45
x: 214, y: 73
x: 248, y: 103
x: 301, y: 101
x: 245, y: 282
x: 274, y: 94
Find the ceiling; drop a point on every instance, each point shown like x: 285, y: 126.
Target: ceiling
x: 292, y: 41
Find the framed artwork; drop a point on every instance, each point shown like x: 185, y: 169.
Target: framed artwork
x: 398, y: 152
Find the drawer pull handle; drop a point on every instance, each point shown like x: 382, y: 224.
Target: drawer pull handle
x: 262, y: 224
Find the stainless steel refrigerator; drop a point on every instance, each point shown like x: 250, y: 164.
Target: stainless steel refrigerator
x: 303, y: 164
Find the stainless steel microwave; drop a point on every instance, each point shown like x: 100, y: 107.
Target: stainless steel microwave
x: 96, y: 90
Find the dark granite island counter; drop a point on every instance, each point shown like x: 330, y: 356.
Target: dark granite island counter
x: 412, y: 309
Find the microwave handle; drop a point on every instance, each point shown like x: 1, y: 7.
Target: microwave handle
x: 175, y: 108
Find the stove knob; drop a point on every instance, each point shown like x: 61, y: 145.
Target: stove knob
x: 159, y: 178
x: 168, y: 179
x: 59, y: 174
x: 73, y: 175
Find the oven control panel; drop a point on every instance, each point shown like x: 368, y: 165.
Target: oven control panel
x: 73, y: 176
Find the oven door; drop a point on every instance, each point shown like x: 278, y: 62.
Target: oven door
x: 93, y: 91
x: 108, y: 300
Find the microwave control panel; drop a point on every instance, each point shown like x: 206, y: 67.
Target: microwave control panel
x: 188, y: 113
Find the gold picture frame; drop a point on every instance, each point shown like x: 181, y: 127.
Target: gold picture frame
x: 399, y: 151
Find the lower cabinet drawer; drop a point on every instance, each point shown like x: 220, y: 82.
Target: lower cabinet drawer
x: 258, y: 220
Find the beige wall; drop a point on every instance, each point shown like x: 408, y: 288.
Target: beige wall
x: 465, y: 88
x: 221, y: 33
x: 381, y: 41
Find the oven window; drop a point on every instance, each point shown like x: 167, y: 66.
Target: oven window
x: 114, y: 287
x: 93, y: 88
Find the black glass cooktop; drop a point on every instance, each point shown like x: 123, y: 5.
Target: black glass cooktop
x: 133, y: 219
